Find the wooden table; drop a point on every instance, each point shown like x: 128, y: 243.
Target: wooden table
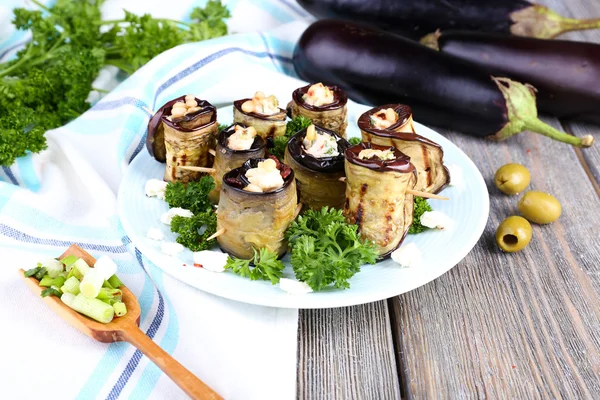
x: 523, y: 325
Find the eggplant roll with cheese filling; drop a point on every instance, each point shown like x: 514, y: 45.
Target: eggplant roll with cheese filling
x: 181, y: 133
x: 262, y: 113
x: 324, y: 105
x: 317, y: 157
x: 235, y: 145
x: 392, y: 125
x: 257, y: 204
x: 377, y: 181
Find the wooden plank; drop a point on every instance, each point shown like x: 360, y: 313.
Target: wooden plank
x: 523, y: 325
x: 347, y: 353
x: 588, y: 9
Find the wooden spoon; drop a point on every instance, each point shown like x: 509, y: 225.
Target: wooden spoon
x: 124, y: 329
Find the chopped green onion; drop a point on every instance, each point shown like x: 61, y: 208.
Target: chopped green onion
x: 115, y: 281
x: 68, y: 261
x: 40, y: 274
x: 92, y: 308
x: 71, y: 286
x: 33, y: 271
x: 107, y: 284
x: 81, y: 266
x: 120, y: 309
x: 110, y: 294
x: 106, y: 266
x: 47, y: 281
x: 91, y: 283
x: 74, y: 272
x: 51, y: 292
x: 53, y: 267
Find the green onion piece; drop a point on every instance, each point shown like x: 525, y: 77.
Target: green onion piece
x: 71, y: 286
x: 68, y: 261
x: 91, y: 283
x: 110, y: 294
x: 74, y: 272
x: 40, y: 274
x: 47, y: 281
x: 107, y: 284
x: 115, y: 281
x: 50, y: 292
x: 120, y: 309
x: 82, y: 266
x: 31, y: 272
x: 92, y: 308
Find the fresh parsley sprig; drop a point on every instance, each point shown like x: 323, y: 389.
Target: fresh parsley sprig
x: 49, y: 81
x: 421, y: 205
x: 193, y: 232
x: 192, y: 196
x: 326, y: 250
x: 263, y: 266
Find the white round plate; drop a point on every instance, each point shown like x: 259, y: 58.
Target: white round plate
x: 441, y: 250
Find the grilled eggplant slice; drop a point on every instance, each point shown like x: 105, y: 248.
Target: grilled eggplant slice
x: 426, y: 155
x: 267, y: 126
x: 187, y: 141
x: 227, y: 159
x: 332, y: 116
x: 318, y: 178
x: 376, y: 195
x: 255, y: 220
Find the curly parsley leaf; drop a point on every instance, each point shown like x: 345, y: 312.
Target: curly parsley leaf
x: 326, y: 250
x: 193, y: 197
x: 49, y: 81
x: 421, y: 205
x: 265, y: 265
x: 194, y: 231
x: 280, y: 143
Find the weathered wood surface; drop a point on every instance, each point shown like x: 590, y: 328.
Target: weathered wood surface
x: 347, y: 353
x: 524, y: 325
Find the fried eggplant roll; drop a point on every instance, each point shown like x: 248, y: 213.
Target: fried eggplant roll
x: 392, y: 125
x: 262, y: 113
x: 324, y: 105
x: 183, y: 130
x: 377, y: 181
x: 317, y: 157
x: 235, y: 145
x: 257, y: 204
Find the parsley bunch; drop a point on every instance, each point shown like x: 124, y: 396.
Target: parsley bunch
x: 292, y: 127
x: 263, y: 266
x: 49, y: 81
x: 326, y: 250
x: 421, y: 205
x: 193, y: 232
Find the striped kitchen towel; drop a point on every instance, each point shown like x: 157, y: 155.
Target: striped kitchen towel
x: 67, y: 194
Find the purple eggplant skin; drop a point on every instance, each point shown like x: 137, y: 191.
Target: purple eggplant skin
x: 566, y: 74
x: 412, y: 18
x: 376, y: 67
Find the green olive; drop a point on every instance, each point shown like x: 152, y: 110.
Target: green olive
x: 512, y: 178
x: 513, y: 234
x: 539, y: 207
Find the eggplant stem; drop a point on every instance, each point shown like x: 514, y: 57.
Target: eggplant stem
x: 522, y: 115
x: 540, y: 22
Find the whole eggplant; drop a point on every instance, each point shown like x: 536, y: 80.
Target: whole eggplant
x: 566, y: 74
x: 377, y: 67
x: 414, y: 18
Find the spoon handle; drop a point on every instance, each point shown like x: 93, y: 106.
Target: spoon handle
x: 187, y: 381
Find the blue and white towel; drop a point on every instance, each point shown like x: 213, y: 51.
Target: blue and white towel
x: 67, y: 194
